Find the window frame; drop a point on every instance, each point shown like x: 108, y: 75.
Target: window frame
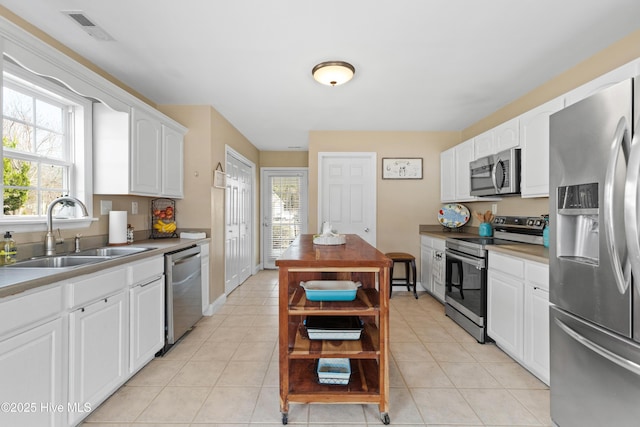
x: 80, y: 158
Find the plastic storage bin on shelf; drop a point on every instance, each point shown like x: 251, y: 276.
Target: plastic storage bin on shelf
x: 330, y: 290
x: 334, y: 371
x: 334, y: 327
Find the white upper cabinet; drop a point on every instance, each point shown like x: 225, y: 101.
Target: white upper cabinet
x: 500, y: 138
x: 448, y: 176
x: 506, y: 136
x: 172, y: 163
x: 464, y: 154
x: 534, y: 140
x: 483, y: 144
x: 629, y: 70
x: 137, y: 153
x: 146, y: 154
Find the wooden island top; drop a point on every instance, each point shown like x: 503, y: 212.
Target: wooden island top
x: 356, y: 252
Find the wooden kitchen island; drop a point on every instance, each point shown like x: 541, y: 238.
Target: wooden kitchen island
x: 356, y: 261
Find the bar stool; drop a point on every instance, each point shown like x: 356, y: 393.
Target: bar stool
x: 408, y: 280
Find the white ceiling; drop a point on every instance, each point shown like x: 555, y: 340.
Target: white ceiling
x: 421, y: 65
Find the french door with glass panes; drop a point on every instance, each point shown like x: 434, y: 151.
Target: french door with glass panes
x: 284, y: 210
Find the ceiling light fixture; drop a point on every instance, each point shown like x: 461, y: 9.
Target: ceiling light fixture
x: 333, y: 73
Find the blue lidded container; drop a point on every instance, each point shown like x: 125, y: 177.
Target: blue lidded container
x: 545, y: 232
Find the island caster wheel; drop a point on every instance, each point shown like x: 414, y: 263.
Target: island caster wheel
x: 385, y: 418
x: 285, y: 418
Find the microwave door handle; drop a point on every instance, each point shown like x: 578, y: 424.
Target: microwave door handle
x: 494, y: 180
x: 631, y: 206
x: 619, y: 138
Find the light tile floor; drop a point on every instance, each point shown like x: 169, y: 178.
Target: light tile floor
x: 225, y: 373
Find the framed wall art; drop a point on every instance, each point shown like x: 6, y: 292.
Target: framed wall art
x: 401, y: 168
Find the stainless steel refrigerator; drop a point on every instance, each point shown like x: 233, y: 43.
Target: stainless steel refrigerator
x: 594, y: 259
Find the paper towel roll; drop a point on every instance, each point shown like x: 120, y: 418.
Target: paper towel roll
x: 118, y: 227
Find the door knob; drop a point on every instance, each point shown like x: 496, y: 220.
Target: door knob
x: 366, y: 229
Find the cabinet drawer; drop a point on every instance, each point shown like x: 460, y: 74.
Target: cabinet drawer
x: 23, y: 311
x: 506, y: 264
x: 96, y: 286
x: 146, y: 269
x: 537, y: 274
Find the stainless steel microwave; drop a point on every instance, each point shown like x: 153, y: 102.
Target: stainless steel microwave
x: 496, y: 175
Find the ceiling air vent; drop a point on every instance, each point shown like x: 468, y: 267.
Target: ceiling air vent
x: 87, y: 25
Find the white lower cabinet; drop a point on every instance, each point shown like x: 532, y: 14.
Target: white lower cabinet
x: 432, y: 266
x: 518, y: 310
x: 505, y: 309
x: 32, y: 340
x: 31, y: 372
x: 147, y: 321
x: 98, y: 352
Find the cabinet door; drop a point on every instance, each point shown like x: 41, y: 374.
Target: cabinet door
x: 98, y: 351
x: 146, y: 154
x: 505, y: 313
x: 534, y: 140
x: 31, y: 372
x: 448, y: 176
x: 624, y: 72
x: 172, y: 163
x: 506, y: 136
x: 464, y: 155
x: 147, y: 322
x: 536, y: 331
x: 483, y: 144
x: 426, y: 256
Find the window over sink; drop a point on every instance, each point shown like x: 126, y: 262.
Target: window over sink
x: 46, y: 139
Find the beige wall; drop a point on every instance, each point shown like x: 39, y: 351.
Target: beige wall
x: 284, y: 159
x: 203, y: 205
x: 401, y: 204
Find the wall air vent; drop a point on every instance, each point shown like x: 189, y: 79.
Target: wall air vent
x: 87, y: 25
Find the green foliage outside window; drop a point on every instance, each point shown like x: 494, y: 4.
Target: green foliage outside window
x: 15, y: 175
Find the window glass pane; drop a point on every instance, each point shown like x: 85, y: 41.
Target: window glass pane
x: 52, y: 177
x: 17, y: 135
x: 17, y: 105
x: 20, y: 202
x: 17, y: 179
x: 49, y: 144
x: 48, y: 116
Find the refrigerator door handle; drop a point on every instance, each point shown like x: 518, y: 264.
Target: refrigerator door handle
x: 619, y: 138
x: 631, y: 205
x: 596, y: 348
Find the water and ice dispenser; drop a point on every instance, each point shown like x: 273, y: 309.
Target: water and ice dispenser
x: 578, y: 223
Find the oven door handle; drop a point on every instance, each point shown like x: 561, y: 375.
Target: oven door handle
x: 477, y: 263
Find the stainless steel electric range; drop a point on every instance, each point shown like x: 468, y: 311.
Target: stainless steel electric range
x: 466, y: 269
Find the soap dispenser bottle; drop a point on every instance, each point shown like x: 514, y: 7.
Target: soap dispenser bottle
x: 10, y: 249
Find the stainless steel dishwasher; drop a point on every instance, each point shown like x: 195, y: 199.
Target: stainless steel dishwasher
x: 183, y: 292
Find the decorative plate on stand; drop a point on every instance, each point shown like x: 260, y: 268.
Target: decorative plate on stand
x: 453, y: 215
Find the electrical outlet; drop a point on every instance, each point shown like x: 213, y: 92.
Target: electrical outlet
x: 134, y: 208
x: 494, y: 208
x: 105, y: 207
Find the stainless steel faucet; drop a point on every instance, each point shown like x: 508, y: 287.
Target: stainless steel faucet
x: 50, y: 240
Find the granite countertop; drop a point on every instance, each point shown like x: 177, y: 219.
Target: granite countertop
x: 527, y: 251
x: 15, y: 280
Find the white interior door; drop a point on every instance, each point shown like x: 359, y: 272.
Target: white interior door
x: 238, y: 220
x: 284, y: 210
x: 347, y: 193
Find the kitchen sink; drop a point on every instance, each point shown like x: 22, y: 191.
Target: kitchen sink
x: 62, y: 261
x: 110, y: 251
